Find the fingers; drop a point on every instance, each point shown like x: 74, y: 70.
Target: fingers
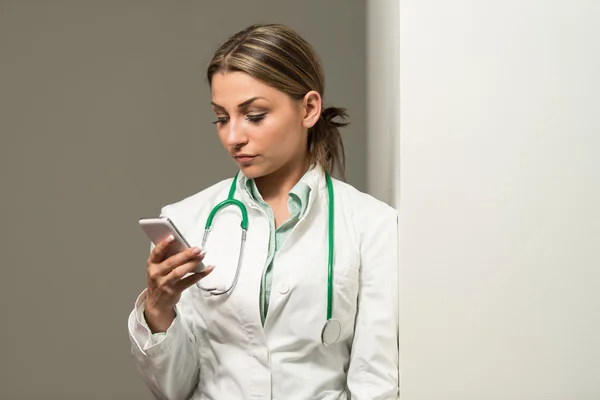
x: 157, y: 254
x: 188, y: 281
x: 183, y: 268
x: 178, y: 260
x: 173, y: 268
x: 167, y: 275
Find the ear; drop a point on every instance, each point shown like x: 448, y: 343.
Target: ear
x: 311, y: 106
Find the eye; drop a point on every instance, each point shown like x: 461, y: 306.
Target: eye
x: 221, y: 120
x: 256, y: 118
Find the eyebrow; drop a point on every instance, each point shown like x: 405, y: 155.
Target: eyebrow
x: 241, y: 105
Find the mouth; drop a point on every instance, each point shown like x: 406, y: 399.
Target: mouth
x: 244, y: 158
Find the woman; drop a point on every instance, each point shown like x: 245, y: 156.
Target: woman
x: 265, y: 337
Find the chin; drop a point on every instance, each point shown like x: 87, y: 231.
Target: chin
x: 254, y: 171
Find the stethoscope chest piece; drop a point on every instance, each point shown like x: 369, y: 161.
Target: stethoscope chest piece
x: 331, y: 332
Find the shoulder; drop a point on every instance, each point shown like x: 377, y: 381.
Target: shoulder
x: 197, y: 202
x: 357, y: 201
x: 366, y: 213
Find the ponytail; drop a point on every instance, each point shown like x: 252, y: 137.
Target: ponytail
x: 325, y: 142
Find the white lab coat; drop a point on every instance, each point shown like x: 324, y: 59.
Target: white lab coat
x: 216, y: 348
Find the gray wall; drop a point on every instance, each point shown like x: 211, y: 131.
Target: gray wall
x: 91, y: 96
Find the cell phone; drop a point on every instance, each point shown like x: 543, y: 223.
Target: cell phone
x: 159, y: 228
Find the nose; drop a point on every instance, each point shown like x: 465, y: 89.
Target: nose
x: 234, y: 135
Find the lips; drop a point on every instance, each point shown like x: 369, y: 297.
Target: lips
x: 244, y: 157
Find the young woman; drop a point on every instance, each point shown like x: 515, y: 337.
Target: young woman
x: 310, y: 309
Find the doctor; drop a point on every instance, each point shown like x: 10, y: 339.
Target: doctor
x: 312, y: 308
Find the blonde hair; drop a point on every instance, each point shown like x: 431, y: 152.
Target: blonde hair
x: 277, y: 56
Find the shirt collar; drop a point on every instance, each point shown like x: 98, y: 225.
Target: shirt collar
x: 314, y: 178
x: 298, y: 196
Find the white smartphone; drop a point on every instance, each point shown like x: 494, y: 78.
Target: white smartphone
x: 159, y: 228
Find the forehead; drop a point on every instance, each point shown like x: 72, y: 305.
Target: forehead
x: 232, y: 88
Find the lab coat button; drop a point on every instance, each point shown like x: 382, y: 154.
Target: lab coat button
x: 284, y: 288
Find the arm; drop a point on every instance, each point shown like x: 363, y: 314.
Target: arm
x: 373, y: 371
x: 166, y: 355
x: 168, y: 361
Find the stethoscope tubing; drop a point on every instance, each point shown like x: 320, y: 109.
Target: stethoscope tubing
x: 332, y: 329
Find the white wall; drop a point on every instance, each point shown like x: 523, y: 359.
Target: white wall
x: 499, y: 158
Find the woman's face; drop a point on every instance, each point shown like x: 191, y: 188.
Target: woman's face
x: 262, y: 128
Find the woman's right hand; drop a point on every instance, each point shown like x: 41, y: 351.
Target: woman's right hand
x: 165, y: 283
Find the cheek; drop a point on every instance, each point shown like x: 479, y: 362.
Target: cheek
x: 285, y: 130
x: 270, y: 133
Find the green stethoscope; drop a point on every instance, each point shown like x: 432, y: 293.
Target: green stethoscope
x: 332, y: 329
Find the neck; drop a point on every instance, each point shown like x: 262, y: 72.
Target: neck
x: 277, y: 185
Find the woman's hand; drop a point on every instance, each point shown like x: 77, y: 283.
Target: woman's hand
x: 165, y: 283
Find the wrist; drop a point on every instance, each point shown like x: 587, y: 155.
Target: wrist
x: 158, y: 320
